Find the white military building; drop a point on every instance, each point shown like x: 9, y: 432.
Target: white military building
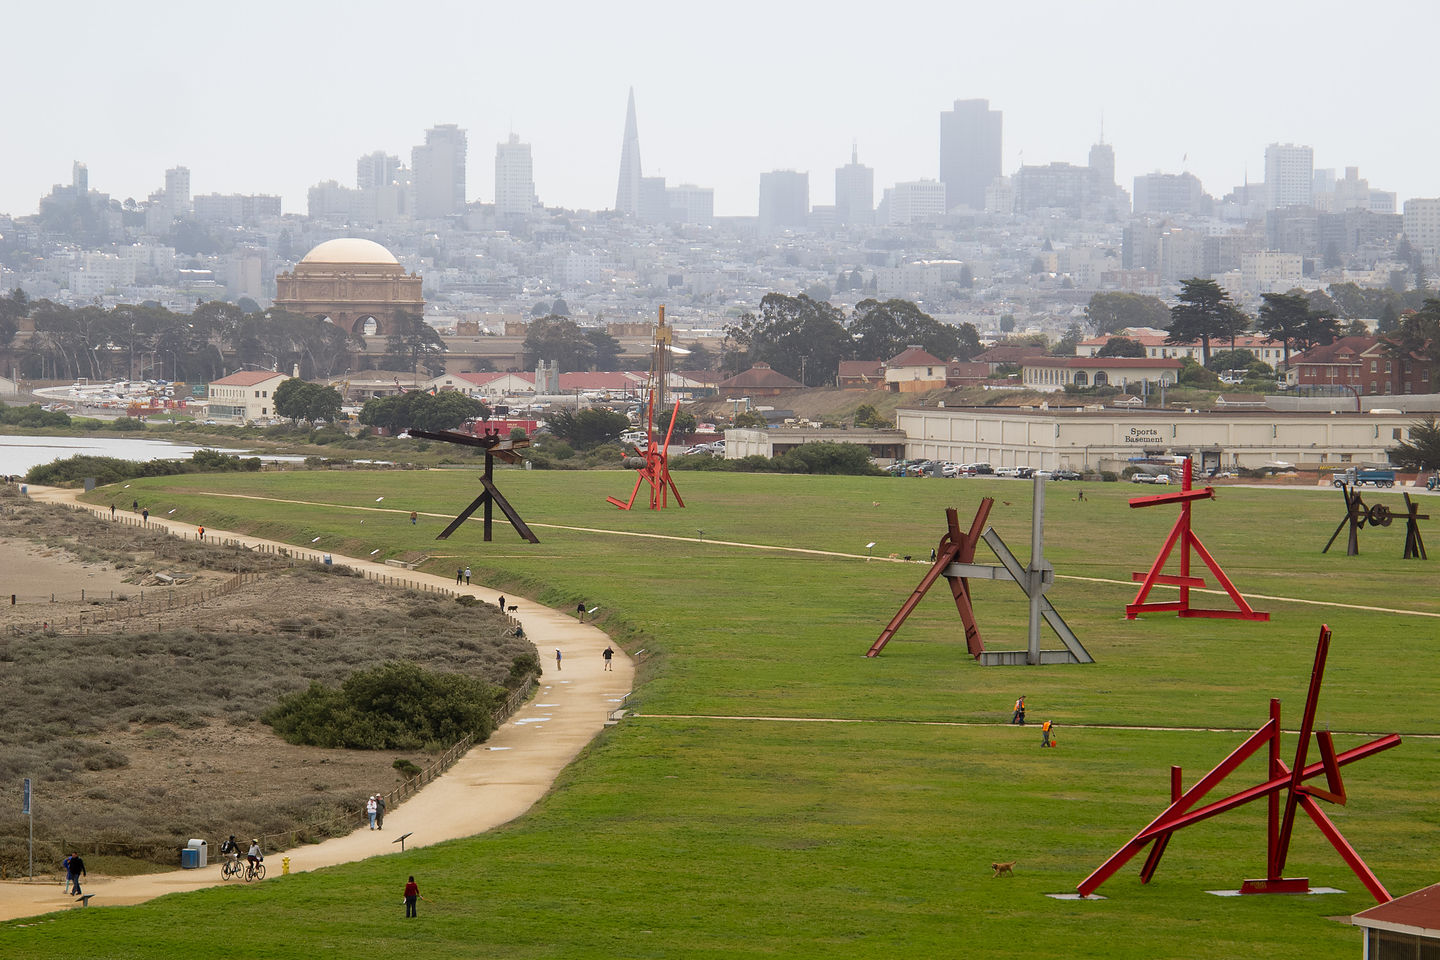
x: 1106, y: 438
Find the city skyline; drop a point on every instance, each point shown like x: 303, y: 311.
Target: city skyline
x: 131, y: 110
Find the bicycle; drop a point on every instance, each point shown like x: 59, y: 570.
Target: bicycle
x: 254, y: 871
x: 231, y: 869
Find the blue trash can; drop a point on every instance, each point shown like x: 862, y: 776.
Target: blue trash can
x: 189, y: 858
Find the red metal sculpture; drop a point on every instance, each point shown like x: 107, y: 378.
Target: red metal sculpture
x: 1287, y: 780
x: 654, y: 459
x: 1188, y: 540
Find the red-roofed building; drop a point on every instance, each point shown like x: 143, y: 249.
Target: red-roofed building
x: 1407, y: 926
x: 913, y: 370
x: 484, y: 384
x: 1050, y: 374
x: 1009, y: 353
x: 758, y: 381
x: 244, y: 396
x: 1269, y: 351
x: 1362, y: 364
x: 860, y: 375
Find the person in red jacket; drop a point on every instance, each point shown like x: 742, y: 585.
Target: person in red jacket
x: 412, y: 893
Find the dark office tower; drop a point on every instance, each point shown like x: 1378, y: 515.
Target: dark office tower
x: 969, y: 152
x: 784, y: 199
x: 1102, y: 167
x: 854, y: 191
x: 438, y: 172
x: 627, y: 194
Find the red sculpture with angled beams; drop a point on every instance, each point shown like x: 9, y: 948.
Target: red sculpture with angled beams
x: 1280, y: 819
x: 654, y: 468
x: 1185, y: 536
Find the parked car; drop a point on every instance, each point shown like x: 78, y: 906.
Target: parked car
x: 1064, y: 475
x: 1007, y: 471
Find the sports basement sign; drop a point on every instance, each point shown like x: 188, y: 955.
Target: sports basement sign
x: 1142, y: 435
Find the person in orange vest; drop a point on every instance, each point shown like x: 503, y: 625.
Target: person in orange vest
x: 1019, y: 715
x: 1045, y: 734
x: 202, y: 533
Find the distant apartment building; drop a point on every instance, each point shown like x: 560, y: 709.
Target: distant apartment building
x: 1062, y: 187
x: 854, y: 192
x: 1170, y: 193
x: 438, y: 172
x: 514, y: 179
x: 1270, y: 271
x: 1352, y: 192
x: 917, y: 201
x: 1422, y: 226
x: 378, y: 169
x: 243, y: 396
x: 1000, y: 196
x: 177, y: 192
x: 970, y: 142
x: 784, y: 199
x: 691, y: 204
x: 235, y: 209
x: 1289, y: 175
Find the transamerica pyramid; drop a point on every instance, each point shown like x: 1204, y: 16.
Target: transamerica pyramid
x: 627, y: 194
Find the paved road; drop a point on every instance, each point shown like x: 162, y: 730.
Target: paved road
x: 491, y: 785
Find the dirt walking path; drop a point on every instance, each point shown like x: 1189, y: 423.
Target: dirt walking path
x: 492, y: 784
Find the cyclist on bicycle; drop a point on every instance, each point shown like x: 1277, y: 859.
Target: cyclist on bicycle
x: 230, y: 848
x: 254, y: 855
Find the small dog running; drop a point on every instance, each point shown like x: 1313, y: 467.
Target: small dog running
x: 1000, y: 868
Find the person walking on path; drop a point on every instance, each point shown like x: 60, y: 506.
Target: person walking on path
x: 371, y: 810
x: 412, y: 893
x: 467, y: 576
x: 557, y: 658
x: 1019, y: 715
x: 580, y: 610
x: 145, y: 515
x: 112, y: 511
x: 1045, y: 734
x: 413, y: 518
x: 65, y: 869
x: 501, y: 601
x: 379, y: 811
x: 607, y: 655
x: 202, y: 533
x: 459, y: 575
x: 73, y: 872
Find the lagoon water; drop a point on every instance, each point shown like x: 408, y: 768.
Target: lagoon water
x: 19, y: 454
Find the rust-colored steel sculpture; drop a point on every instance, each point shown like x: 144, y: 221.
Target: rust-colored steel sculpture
x: 956, y: 546
x: 1183, y: 534
x: 1358, y: 515
x: 1289, y: 781
x: 506, y: 450
x: 654, y: 460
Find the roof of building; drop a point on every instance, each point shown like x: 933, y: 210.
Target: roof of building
x: 248, y: 378
x: 350, y: 250
x: 914, y: 357
x: 1115, y: 363
x: 1244, y: 341
x: 1416, y: 913
x: 860, y: 368
x: 1344, y: 350
x: 1010, y: 353
x: 601, y: 380
x: 761, y: 375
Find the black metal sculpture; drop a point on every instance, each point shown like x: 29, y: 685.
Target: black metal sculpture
x: 508, y: 451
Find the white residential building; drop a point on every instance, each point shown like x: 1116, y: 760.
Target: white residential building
x: 1422, y: 226
x: 514, y: 178
x: 244, y: 396
x: 916, y: 201
x: 1270, y: 271
x: 1289, y: 175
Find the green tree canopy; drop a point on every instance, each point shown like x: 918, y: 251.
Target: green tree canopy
x: 587, y: 429
x: 788, y: 333
x: 879, y: 331
x: 1204, y: 312
x: 445, y: 410
x: 1113, y: 312
x: 414, y: 343
x: 299, y: 400
x: 560, y: 340
x: 1422, y: 450
x: 1417, y: 338
x: 1121, y: 347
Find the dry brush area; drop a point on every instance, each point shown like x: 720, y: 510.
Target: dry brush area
x: 147, y: 732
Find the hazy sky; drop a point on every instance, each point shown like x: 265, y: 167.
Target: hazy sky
x: 272, y: 97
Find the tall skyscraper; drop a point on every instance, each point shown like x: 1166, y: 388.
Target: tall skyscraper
x: 969, y: 152
x: 1289, y: 176
x: 514, y: 178
x: 378, y: 169
x: 854, y: 191
x: 439, y: 172
x: 177, y: 191
x: 784, y: 199
x: 1102, y: 166
x: 627, y: 194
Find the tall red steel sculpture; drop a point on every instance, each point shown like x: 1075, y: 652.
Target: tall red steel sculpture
x: 654, y: 459
x: 1289, y: 781
x: 1185, y: 536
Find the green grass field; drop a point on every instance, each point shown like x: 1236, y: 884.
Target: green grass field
x: 676, y: 837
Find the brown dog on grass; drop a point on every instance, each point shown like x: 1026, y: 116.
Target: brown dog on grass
x: 1000, y: 868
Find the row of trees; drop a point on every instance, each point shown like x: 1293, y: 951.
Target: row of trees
x: 424, y: 411
x: 300, y: 400
x: 806, y: 339
x: 147, y: 341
